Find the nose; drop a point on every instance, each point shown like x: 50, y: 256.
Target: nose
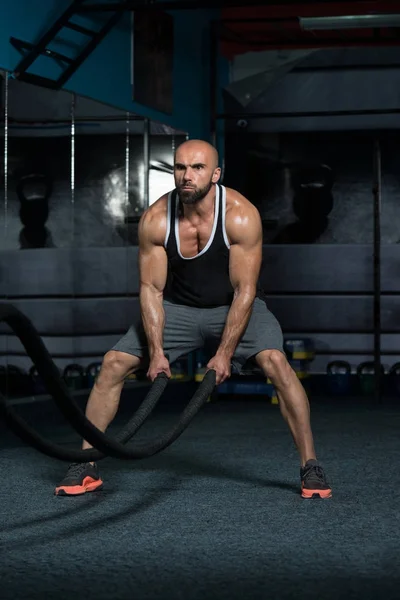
x: 187, y: 176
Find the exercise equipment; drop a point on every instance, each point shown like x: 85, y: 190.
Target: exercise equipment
x: 201, y: 366
x: 366, y: 377
x: 300, y: 353
x: 299, y: 349
x: 246, y: 386
x: 393, y: 379
x: 312, y: 186
x: 74, y: 377
x: 34, y: 191
x: 38, y: 386
x: 91, y: 373
x: 301, y: 368
x: 103, y: 444
x: 178, y: 371
x: 312, y: 204
x: 339, y: 378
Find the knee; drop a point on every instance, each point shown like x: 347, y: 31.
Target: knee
x: 114, y: 368
x: 276, y: 367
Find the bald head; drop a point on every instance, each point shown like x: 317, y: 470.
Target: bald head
x: 197, y: 147
x: 196, y: 170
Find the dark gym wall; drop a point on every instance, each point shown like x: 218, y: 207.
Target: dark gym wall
x: 94, y: 176
x: 323, y: 81
x: 318, y: 266
x: 318, y: 269
x: 70, y: 262
x: 270, y: 169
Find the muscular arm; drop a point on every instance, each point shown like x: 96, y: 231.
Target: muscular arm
x: 245, y: 232
x: 153, y: 267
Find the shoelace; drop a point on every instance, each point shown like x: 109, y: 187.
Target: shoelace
x: 317, y: 471
x: 75, y: 469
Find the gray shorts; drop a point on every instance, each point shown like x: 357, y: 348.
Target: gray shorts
x: 188, y: 329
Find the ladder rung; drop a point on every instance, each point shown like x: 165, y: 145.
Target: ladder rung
x: 19, y: 44
x: 80, y: 29
x: 58, y: 56
x: 91, y: 45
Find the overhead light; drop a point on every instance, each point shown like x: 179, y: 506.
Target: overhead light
x: 349, y: 22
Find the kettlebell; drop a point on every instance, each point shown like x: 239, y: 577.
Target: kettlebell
x: 38, y: 386
x: 92, y: 372
x: 74, y: 377
x: 366, y: 377
x: 339, y: 378
x: 394, y: 379
x: 33, y: 191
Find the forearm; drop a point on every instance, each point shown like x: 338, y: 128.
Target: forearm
x: 153, y: 317
x: 236, y: 322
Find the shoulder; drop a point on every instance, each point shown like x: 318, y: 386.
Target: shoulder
x: 237, y: 205
x: 242, y: 217
x: 153, y: 222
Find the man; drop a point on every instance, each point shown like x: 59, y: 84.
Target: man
x: 200, y: 251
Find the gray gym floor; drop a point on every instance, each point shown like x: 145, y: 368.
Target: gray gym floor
x: 218, y: 515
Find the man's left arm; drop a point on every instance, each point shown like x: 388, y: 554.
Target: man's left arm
x: 245, y: 233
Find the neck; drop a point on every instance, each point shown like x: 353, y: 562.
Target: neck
x: 202, y: 208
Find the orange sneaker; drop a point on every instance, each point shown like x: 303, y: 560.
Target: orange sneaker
x: 313, y: 481
x: 79, y: 479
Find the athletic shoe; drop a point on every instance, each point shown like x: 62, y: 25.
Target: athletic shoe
x: 313, y: 481
x: 79, y: 479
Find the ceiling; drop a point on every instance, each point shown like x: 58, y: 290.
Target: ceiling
x: 252, y: 25
x: 277, y: 26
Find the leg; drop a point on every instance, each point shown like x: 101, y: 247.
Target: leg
x: 263, y: 340
x: 181, y: 336
x: 101, y: 409
x: 104, y: 398
x: 293, y: 401
x: 102, y: 406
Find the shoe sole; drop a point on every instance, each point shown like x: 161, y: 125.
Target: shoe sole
x: 311, y: 494
x: 88, y: 485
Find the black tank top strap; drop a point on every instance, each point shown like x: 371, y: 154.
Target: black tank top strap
x: 221, y: 216
x: 221, y: 227
x: 170, y: 239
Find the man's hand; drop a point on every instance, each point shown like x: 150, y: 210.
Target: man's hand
x: 158, y: 364
x: 221, y: 364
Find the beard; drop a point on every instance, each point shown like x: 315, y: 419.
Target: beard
x: 194, y: 195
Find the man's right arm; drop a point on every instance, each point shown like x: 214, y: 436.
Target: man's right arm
x: 153, y: 268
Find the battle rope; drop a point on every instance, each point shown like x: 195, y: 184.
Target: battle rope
x: 104, y: 444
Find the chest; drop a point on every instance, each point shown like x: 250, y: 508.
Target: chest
x: 193, y: 238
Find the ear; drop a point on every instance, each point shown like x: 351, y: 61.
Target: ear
x: 216, y: 176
